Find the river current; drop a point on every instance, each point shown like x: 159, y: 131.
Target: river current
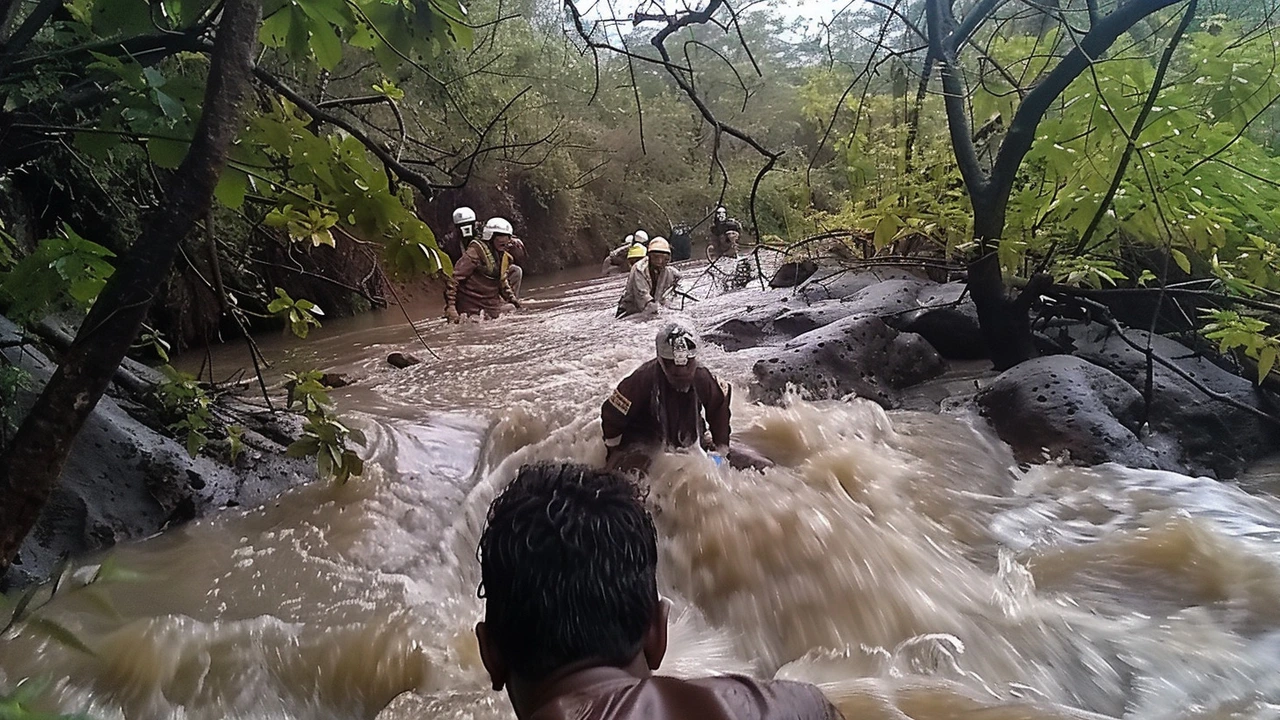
x: 901, y: 560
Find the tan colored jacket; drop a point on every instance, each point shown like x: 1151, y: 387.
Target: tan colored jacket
x: 642, y: 290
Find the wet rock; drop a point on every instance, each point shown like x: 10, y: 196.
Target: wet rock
x: 888, y: 299
x: 123, y: 480
x: 948, y: 319
x: 791, y: 274
x: 402, y: 360
x: 753, y: 327
x: 1064, y: 404
x: 857, y: 355
x: 1213, y: 437
x: 840, y: 283
x: 335, y: 380
x: 806, y: 319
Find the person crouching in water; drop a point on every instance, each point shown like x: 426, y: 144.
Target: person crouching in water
x: 479, y: 283
x: 619, y: 259
x: 661, y: 405
x: 652, y: 281
x: 573, y: 624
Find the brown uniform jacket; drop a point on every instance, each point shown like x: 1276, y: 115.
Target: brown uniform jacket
x: 646, y: 410
x: 666, y: 698
x: 479, y: 281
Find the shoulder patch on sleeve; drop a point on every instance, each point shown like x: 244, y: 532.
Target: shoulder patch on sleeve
x: 620, y: 402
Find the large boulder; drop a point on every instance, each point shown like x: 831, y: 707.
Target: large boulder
x: 123, y: 480
x: 858, y: 355
x: 838, y: 284
x: 888, y: 299
x: 948, y: 319
x: 1064, y: 404
x: 791, y: 274
x: 1216, y: 437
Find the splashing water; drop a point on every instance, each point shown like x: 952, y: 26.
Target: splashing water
x: 901, y: 560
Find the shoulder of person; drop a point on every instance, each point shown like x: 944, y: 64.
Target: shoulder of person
x: 709, y: 379
x: 770, y: 699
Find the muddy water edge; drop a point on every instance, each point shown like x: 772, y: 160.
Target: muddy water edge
x: 901, y: 560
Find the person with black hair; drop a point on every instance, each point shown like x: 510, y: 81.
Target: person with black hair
x: 573, y: 624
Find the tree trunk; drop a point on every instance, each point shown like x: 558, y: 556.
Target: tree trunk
x: 1006, y: 326
x: 34, y: 460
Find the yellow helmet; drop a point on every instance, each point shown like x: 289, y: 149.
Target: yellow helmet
x: 636, y: 252
x: 659, y: 244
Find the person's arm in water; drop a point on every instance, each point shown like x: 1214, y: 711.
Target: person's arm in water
x: 462, y: 270
x: 676, y: 277
x: 504, y: 286
x: 615, y: 413
x: 715, y: 396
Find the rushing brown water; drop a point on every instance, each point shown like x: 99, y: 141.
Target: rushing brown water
x: 901, y: 560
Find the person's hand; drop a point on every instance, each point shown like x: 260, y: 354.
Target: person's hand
x: 519, y: 305
x: 451, y: 313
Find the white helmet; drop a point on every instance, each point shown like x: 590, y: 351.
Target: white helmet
x: 642, y: 237
x: 678, y: 341
x: 631, y: 239
x: 721, y: 213
x: 497, y: 226
x: 464, y: 215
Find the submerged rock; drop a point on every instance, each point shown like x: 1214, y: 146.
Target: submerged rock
x: 857, y: 355
x: 402, y: 360
x: 1063, y: 404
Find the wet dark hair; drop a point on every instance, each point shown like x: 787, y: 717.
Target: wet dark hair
x: 568, y: 565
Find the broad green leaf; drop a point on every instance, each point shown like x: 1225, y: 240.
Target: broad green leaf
x: 96, y: 145
x: 165, y: 153
x: 325, y: 44
x: 1181, y: 259
x: 231, y: 188
x: 1266, y: 361
x: 275, y: 29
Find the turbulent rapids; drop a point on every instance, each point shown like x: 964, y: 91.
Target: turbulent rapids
x: 903, y: 561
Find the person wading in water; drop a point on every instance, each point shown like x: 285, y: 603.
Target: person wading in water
x: 480, y: 280
x: 573, y: 626
x: 662, y: 405
x: 617, y: 261
x: 652, y: 281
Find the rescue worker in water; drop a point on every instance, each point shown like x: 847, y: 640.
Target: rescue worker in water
x: 651, y: 281
x: 573, y: 624
x: 661, y: 405
x: 480, y: 280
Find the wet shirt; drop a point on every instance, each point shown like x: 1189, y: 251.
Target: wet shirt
x: 642, y: 288
x: 479, y: 282
x: 665, y: 698
x: 646, y: 410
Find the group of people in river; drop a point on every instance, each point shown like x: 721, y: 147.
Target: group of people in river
x: 487, y: 272
x: 670, y: 402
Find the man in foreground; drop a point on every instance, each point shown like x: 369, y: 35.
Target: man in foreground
x: 573, y: 625
x: 661, y: 406
x: 652, y: 281
x: 480, y: 280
